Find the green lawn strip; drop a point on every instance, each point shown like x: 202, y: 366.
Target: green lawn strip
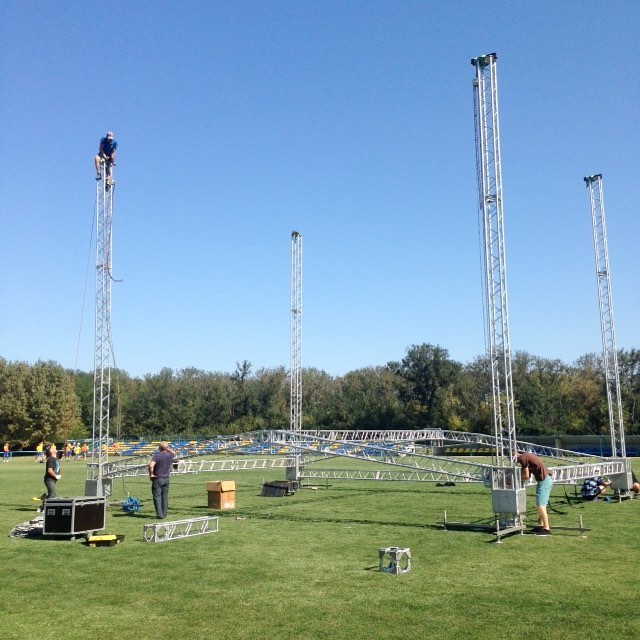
x: 305, y: 566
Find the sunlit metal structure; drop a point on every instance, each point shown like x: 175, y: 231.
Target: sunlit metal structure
x: 400, y: 455
x: 414, y: 455
x: 489, y: 171
x: 605, y: 300
x: 95, y: 481
x: 295, y: 370
x: 509, y: 498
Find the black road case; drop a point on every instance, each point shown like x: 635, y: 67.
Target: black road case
x: 74, y: 516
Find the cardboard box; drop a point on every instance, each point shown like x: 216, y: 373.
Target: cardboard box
x: 221, y: 494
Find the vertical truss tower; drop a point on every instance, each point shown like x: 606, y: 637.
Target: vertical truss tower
x: 95, y: 483
x: 489, y: 171
x: 609, y: 351
x: 509, y: 498
x: 295, y: 372
x: 295, y: 413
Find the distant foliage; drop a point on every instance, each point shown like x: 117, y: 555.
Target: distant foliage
x: 37, y: 403
x: 424, y: 389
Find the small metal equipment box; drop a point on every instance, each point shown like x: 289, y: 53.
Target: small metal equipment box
x: 509, y: 501
x: 74, y: 516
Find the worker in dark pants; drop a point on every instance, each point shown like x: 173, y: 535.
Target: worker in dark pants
x: 159, y: 472
x: 51, y: 474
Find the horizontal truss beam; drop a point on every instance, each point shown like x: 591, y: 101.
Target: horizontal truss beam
x: 398, y: 455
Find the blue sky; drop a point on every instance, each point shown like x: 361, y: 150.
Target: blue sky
x: 350, y: 122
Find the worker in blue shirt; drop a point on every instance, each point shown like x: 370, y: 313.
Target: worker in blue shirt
x: 106, y: 153
x: 594, y: 488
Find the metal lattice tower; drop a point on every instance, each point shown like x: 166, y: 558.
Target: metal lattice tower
x: 489, y: 171
x: 95, y: 483
x: 295, y: 411
x: 609, y: 351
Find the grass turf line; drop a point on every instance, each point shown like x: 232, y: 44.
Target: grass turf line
x: 305, y: 567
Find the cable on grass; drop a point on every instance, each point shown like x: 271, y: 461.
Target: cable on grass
x: 30, y: 529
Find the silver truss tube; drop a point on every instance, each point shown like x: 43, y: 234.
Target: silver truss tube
x: 570, y: 474
x: 321, y: 443
x: 609, y: 350
x: 481, y: 439
x: 102, y: 352
x: 118, y: 470
x: 433, y: 436
x: 442, y: 438
x: 295, y: 405
x: 491, y: 205
x: 393, y: 459
x: 165, y: 531
x: 392, y: 475
x: 304, y: 443
x: 188, y: 466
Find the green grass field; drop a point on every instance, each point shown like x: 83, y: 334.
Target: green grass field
x: 306, y: 567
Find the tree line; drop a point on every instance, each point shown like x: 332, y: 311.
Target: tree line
x: 45, y: 402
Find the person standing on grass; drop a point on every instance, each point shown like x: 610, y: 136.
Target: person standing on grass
x: 532, y: 465
x: 159, y: 472
x: 5, y: 452
x: 52, y: 471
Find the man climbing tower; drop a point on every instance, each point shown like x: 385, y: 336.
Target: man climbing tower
x: 106, y: 154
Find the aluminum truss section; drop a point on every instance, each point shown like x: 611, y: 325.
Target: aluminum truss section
x: 203, y: 466
x: 393, y: 460
x: 276, y: 449
x: 484, y: 440
x: 489, y: 172
x: 432, y: 436
x: 573, y: 473
x: 249, y: 441
x: 392, y: 474
x: 94, y: 484
x: 164, y: 531
x: 415, y: 466
x: 119, y: 470
x: 609, y: 351
x: 295, y: 410
x: 442, y: 438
